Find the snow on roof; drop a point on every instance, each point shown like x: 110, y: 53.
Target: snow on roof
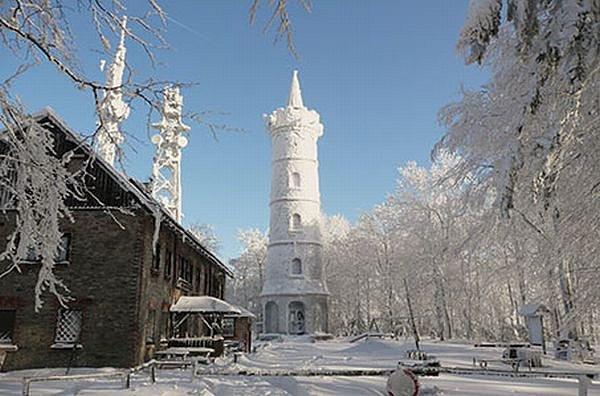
x: 534, y: 309
x: 204, y: 304
x: 244, y: 313
x: 131, y: 186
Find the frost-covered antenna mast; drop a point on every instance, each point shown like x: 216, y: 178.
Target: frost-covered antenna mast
x: 113, y: 110
x: 166, y: 168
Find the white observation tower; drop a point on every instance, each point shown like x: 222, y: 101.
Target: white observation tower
x: 294, y: 294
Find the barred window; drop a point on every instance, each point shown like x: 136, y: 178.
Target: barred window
x: 62, y: 254
x: 156, y: 259
x: 68, y: 326
x: 168, y: 264
x: 189, y: 274
x: 64, y: 248
x: 7, y: 324
x: 181, y: 267
x: 185, y: 269
x: 32, y: 255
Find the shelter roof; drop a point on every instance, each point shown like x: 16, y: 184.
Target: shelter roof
x: 205, y: 304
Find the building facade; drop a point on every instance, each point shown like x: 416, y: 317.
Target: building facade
x: 122, y: 276
x: 294, y: 294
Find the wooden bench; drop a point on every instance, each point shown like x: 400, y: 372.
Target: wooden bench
x: 514, y: 363
x: 172, y: 353
x: 190, y: 355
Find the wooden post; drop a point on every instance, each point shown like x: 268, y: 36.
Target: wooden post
x: 412, y: 316
x: 196, y: 366
x: 26, y: 384
x: 172, y: 317
x: 543, y: 336
x: 73, y: 351
x: 584, y: 382
x: 153, y: 372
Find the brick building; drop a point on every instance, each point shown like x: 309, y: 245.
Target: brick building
x: 122, y: 290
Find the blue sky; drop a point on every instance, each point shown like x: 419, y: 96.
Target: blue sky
x: 376, y: 71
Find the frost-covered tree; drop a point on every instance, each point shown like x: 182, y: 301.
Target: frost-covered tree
x: 436, y: 221
x: 531, y: 134
x: 206, y: 235
x: 248, y: 267
x: 463, y: 270
x: 344, y: 278
x: 35, y: 182
x: 280, y: 16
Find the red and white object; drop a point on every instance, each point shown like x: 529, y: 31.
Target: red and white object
x: 402, y: 382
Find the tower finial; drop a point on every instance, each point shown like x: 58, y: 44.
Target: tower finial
x: 295, y: 98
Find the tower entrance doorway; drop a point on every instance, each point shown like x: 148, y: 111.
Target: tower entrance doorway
x: 296, y: 320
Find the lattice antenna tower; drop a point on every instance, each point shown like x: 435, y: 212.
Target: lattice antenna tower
x: 166, y: 167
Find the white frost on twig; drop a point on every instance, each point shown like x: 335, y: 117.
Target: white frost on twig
x: 40, y: 187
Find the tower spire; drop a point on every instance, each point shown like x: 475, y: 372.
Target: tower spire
x: 113, y: 110
x: 295, y: 97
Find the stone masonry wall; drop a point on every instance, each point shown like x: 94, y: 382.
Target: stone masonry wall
x: 102, y: 275
x: 125, y: 301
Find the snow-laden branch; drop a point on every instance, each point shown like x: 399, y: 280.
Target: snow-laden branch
x: 40, y: 183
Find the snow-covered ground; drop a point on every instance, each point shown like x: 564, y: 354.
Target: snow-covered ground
x: 300, y: 354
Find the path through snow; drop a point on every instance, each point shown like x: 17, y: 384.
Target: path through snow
x: 299, y: 353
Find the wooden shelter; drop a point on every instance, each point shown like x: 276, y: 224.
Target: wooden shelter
x: 204, y: 321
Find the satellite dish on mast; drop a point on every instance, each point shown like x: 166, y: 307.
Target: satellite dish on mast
x: 156, y: 139
x: 182, y: 141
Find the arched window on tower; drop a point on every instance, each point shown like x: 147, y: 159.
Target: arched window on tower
x: 296, y: 267
x: 296, y: 222
x: 296, y: 181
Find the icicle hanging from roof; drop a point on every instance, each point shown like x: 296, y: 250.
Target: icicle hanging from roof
x: 166, y: 167
x: 113, y: 110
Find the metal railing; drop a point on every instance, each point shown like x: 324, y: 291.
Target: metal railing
x: 27, y: 381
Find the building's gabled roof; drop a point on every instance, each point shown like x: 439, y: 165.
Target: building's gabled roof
x: 133, y: 187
